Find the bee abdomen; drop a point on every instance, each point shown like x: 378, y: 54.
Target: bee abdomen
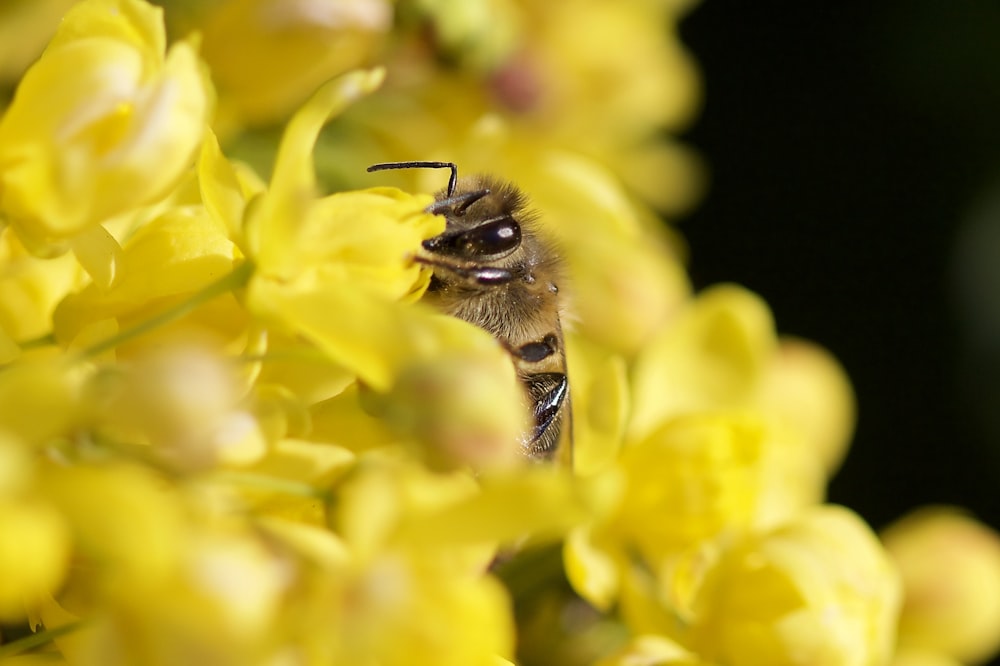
x: 548, y: 392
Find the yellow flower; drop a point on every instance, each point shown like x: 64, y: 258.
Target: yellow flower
x: 950, y: 564
x: 184, y: 401
x: 34, y: 555
x: 335, y: 269
x: 819, y: 591
x: 400, y: 609
x: 190, y: 252
x: 124, y: 519
x: 600, y: 80
x: 692, y: 479
x: 104, y: 122
x: 722, y: 353
x: 268, y: 56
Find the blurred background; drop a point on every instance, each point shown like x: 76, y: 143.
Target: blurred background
x: 855, y: 158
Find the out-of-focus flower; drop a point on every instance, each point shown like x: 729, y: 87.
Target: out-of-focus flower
x: 950, y: 564
x: 460, y: 409
x: 34, y: 538
x: 184, y: 401
x: 104, y: 122
x: 818, y: 591
x: 268, y: 56
x: 597, y: 79
x: 722, y: 352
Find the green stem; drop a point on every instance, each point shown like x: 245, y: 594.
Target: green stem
x: 233, y: 280
x: 39, y: 639
x: 42, y: 341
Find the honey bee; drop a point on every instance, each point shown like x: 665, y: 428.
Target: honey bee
x: 492, y: 269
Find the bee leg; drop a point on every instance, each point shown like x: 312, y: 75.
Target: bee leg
x: 483, y: 275
x: 491, y: 276
x: 548, y: 392
x: 533, y: 352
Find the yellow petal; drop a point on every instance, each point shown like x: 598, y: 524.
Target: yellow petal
x: 279, y: 216
x: 286, y: 51
x: 810, y: 390
x: 101, y: 124
x: 592, y: 572
x: 819, y: 590
x: 600, y: 404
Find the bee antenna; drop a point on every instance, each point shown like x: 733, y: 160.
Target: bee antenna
x: 452, y: 180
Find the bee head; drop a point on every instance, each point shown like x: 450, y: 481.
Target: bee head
x: 481, y: 215
x: 481, y: 222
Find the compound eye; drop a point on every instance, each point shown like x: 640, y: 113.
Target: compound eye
x: 491, y: 240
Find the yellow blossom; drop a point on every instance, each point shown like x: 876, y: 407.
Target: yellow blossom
x: 34, y: 538
x: 819, y: 591
x: 220, y: 601
x: 950, y: 564
x: 693, y: 478
x: 124, y: 519
x: 191, y: 252
x: 285, y: 50
x: 104, y: 122
x: 401, y: 609
x: 183, y: 401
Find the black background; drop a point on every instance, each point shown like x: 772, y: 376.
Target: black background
x: 849, y: 144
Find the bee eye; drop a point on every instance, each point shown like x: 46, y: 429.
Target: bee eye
x: 488, y: 241
x: 491, y: 240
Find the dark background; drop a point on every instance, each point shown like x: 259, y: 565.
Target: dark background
x: 854, y: 150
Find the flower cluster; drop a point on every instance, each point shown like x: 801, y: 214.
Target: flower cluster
x: 231, y: 432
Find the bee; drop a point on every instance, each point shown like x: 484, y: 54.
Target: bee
x: 493, y: 269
